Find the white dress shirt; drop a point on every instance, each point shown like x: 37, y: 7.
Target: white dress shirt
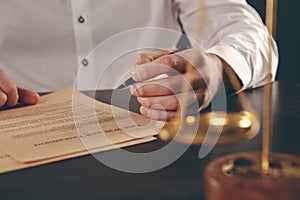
x: 45, y: 44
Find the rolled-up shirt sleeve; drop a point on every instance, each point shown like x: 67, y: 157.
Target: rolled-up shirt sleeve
x: 234, y: 31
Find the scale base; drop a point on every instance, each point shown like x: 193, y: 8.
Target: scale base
x: 239, y: 176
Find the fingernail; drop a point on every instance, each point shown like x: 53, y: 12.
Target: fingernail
x: 144, y: 111
x: 132, y: 89
x: 136, y: 76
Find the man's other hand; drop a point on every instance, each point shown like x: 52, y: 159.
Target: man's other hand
x: 11, y: 95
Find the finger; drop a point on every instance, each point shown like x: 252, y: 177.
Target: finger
x: 9, y: 88
x: 172, y: 102
x: 169, y: 85
x: 161, y: 87
x: 169, y: 102
x: 3, y: 98
x: 28, y: 97
x: 143, y: 58
x: 163, y: 65
x: 157, y: 114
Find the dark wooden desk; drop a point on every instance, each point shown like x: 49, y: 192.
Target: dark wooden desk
x: 87, y: 178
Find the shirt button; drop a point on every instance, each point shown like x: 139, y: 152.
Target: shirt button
x: 85, y: 62
x: 81, y: 20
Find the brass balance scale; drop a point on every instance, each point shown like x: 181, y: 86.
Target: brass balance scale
x: 247, y: 175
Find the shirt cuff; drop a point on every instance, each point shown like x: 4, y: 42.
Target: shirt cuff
x: 235, y: 60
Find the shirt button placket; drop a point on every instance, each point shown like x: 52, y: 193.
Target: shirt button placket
x: 84, y: 62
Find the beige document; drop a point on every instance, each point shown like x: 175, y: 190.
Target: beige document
x: 8, y: 164
x: 67, y: 124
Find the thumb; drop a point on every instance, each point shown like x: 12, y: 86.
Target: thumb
x: 27, y: 96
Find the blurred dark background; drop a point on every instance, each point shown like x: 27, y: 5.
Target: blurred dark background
x: 287, y: 34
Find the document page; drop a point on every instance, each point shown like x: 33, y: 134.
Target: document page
x: 65, y: 123
x: 8, y: 164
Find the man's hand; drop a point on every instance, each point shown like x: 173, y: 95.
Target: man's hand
x: 159, y: 98
x: 10, y: 94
